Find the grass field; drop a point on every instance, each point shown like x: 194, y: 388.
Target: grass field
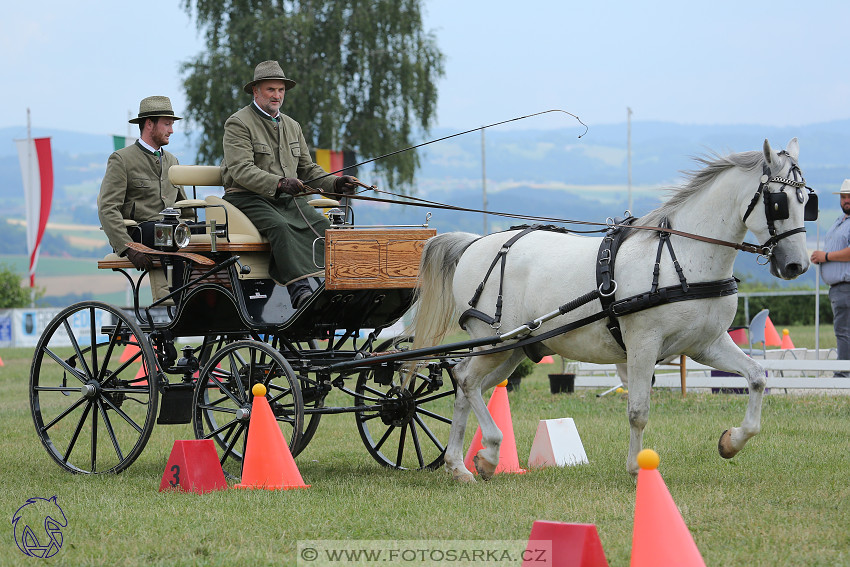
x: 785, y: 500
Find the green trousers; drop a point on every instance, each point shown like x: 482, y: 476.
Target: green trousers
x: 292, y: 228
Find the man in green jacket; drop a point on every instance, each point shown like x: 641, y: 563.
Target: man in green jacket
x: 265, y: 159
x: 135, y: 185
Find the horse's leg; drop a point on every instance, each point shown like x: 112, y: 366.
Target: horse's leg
x: 623, y: 374
x: 724, y: 354
x: 478, y: 374
x: 454, y: 449
x: 641, y: 364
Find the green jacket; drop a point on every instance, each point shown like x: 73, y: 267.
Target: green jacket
x: 258, y: 151
x: 135, y: 187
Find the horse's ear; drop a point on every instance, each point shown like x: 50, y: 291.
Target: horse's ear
x: 793, y: 149
x: 768, y: 153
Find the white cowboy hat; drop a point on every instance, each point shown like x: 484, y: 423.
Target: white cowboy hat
x: 845, y: 188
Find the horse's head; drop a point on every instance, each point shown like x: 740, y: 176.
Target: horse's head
x: 776, y: 212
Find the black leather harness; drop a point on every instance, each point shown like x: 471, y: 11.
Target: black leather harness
x: 611, y: 308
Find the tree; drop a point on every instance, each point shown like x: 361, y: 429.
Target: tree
x: 11, y: 293
x: 366, y: 72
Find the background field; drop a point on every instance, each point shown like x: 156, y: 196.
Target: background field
x: 785, y: 500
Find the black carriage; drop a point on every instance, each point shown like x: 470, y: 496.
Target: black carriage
x: 102, y: 376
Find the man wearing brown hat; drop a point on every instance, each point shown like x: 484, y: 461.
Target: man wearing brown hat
x: 265, y: 160
x: 834, y: 262
x: 135, y: 185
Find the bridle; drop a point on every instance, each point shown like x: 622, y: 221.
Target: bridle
x: 776, y: 204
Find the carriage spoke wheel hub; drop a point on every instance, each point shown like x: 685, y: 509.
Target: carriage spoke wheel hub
x: 398, y: 407
x: 90, y: 390
x: 243, y: 414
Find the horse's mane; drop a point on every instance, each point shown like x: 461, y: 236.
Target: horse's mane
x: 697, y: 180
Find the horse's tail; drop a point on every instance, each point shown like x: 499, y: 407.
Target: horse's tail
x: 436, y: 309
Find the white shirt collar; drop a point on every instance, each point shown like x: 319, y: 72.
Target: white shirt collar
x: 264, y: 112
x: 148, y: 146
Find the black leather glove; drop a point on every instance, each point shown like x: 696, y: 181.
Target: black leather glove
x: 139, y: 259
x: 291, y: 186
x: 345, y: 184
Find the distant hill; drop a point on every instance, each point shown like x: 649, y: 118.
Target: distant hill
x: 537, y: 172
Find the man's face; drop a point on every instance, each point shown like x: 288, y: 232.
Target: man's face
x: 162, y: 130
x: 269, y: 95
x: 845, y: 204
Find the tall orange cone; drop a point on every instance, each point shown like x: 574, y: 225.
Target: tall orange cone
x: 268, y: 463
x: 500, y: 408
x: 786, y: 339
x: 771, y: 337
x: 547, y: 360
x: 660, y: 536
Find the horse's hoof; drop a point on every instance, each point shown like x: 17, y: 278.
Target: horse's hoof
x: 484, y: 467
x: 463, y: 476
x: 724, y: 446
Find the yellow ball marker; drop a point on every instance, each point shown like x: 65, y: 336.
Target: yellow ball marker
x: 648, y: 459
x: 258, y: 390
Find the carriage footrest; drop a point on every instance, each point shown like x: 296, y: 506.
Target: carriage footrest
x: 176, y: 404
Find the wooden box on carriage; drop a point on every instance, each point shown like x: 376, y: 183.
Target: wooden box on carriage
x: 374, y: 258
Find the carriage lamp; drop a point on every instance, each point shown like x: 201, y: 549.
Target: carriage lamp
x: 170, y: 233
x: 336, y: 216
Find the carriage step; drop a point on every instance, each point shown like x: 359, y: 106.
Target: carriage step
x: 176, y: 404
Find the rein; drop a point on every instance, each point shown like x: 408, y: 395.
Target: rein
x: 760, y: 249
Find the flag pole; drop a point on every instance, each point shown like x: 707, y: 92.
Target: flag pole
x: 30, y: 147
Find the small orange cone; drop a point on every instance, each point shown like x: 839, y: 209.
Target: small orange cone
x: 1, y: 362
x: 547, y: 360
x: 771, y: 337
x: 739, y: 336
x: 660, y: 536
x: 786, y: 339
x: 568, y: 545
x: 500, y: 408
x: 268, y: 463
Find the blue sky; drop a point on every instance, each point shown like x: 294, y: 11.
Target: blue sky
x: 83, y: 65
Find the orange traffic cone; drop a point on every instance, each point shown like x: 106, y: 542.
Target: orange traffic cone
x: 786, y: 339
x: 500, y: 408
x: 268, y: 463
x: 1, y: 362
x: 660, y: 536
x: 547, y: 360
x: 771, y: 337
x: 129, y: 351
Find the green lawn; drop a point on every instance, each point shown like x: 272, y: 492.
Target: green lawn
x: 785, y: 500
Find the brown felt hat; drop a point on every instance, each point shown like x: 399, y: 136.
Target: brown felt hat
x: 153, y: 107
x: 265, y: 71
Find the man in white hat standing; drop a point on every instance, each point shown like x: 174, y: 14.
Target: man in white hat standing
x: 834, y: 261
x: 135, y: 185
x: 265, y: 160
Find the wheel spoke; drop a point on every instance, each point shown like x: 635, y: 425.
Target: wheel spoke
x: 400, y: 452
x: 433, y: 415
x: 93, y: 440
x: 73, y: 339
x: 386, y: 436
x: 110, y: 430
x: 68, y: 368
x: 126, y: 417
x: 71, y: 408
x: 76, y: 433
x: 430, y: 433
x: 415, y: 438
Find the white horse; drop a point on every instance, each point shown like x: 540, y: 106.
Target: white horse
x: 545, y: 270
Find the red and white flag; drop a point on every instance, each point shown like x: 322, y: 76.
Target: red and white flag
x: 37, y: 173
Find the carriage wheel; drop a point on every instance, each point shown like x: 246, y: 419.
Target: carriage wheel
x: 407, y: 427
x: 92, y: 410
x: 222, y: 399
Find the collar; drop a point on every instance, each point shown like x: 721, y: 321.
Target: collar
x: 262, y: 112
x: 148, y: 147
